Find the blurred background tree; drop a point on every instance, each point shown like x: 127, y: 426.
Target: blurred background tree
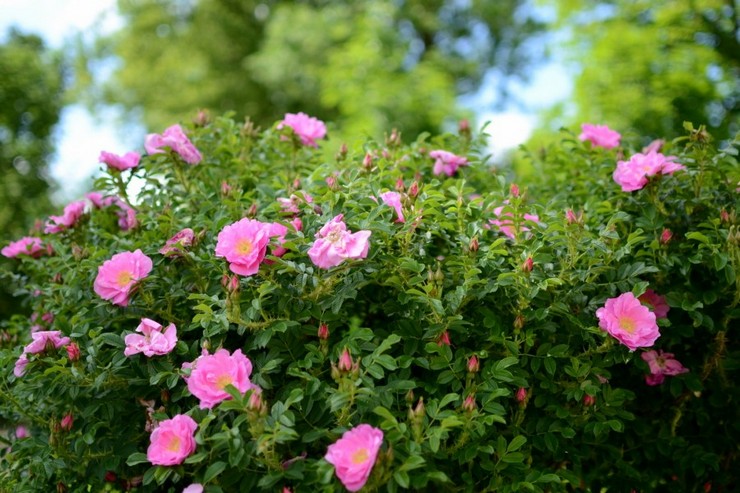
x: 365, y: 65
x: 31, y: 98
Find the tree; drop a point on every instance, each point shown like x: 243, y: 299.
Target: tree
x: 366, y: 65
x: 647, y: 66
x: 31, y: 86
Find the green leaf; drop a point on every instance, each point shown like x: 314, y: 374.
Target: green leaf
x: 516, y: 443
x: 136, y: 458
x: 214, y: 470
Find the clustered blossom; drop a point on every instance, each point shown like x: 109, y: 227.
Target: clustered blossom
x: 353, y: 456
x: 335, y: 243
x: 178, y: 244
x: 41, y: 341
x: 446, y: 162
x: 628, y: 321
x: 393, y: 199
x: 172, y: 441
x: 506, y: 225
x: 211, y: 373
x: 72, y: 214
x: 633, y: 174
x: 119, y: 275
x: 174, y: 138
x: 307, y: 128
x: 28, y: 245
x: 155, y: 340
x: 244, y: 244
x: 120, y: 163
x: 661, y: 365
x: 600, y: 135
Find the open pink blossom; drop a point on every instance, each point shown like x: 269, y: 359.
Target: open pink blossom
x: 28, y: 245
x: 126, y: 216
x: 661, y: 365
x: 633, y: 174
x: 446, y: 162
x: 72, y: 214
x: 44, y: 339
x: 307, y: 128
x: 656, y: 302
x: 211, y: 373
x: 20, y: 365
x: 507, y: 226
x: 174, y: 138
x: 118, y: 276
x: 120, y: 163
x: 393, y: 199
x: 277, y: 230
x: 353, y: 455
x: 172, y: 441
x: 335, y: 243
x: 155, y: 340
x: 178, y: 244
x: 628, y: 321
x: 193, y: 488
x: 290, y: 205
x: 600, y: 135
x: 243, y: 244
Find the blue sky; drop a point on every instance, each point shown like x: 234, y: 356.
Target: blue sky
x: 81, y: 136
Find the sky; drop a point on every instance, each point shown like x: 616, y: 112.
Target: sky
x: 81, y: 136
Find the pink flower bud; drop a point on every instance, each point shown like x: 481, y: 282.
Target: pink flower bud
x: 665, y: 236
x: 73, y: 351
x: 252, y: 210
x: 400, y: 187
x: 225, y: 188
x: 444, y: 338
x: 331, y: 181
x: 528, y: 265
x: 297, y: 223
x: 233, y: 284
x: 469, y: 403
x: 255, y: 402
x: 110, y: 477
x: 519, y: 322
x: 21, y: 432
x: 474, y: 244
x: 570, y: 217
x: 473, y: 364
x: 345, y: 361
x: 202, y: 118
x: 342, y: 154
x: 67, y: 422
x: 414, y: 189
x: 323, y: 332
x: 514, y: 190
x: 367, y: 162
x: 724, y: 216
x: 521, y: 394
x: 589, y: 400
x: 463, y: 128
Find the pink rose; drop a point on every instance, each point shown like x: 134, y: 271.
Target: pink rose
x: 178, y: 244
x: 633, y: 174
x: 446, y: 162
x: 72, y: 214
x: 661, y: 365
x: 193, y: 488
x: 28, y: 245
x: 656, y: 302
x: 600, y: 135
x: 172, y: 441
x: 120, y: 163
x: 211, y: 373
x: 20, y: 365
x: 506, y: 225
x: 174, y: 138
x: 243, y: 244
x: 118, y: 276
x: 627, y: 320
x: 307, y: 128
x: 21, y: 432
x: 154, y: 341
x: 393, y: 199
x: 335, y: 243
x: 353, y: 455
x: 277, y: 230
x: 126, y: 217
x: 43, y: 339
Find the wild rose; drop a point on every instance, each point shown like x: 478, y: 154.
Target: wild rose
x: 473, y: 364
x: 506, y: 225
x: 665, y: 236
x: 154, y: 341
x: 277, y: 230
x: 393, y: 199
x: 67, y: 422
x: 633, y: 174
x: 72, y: 214
x: 446, y: 162
x: 243, y: 244
x: 335, y: 243
x: 307, y: 128
x: 178, y: 244
x: 600, y: 135
x: 21, y: 432
x: 120, y: 163
x: 119, y: 275
x: 172, y: 441
x: 28, y: 245
x: 73, y: 351
x: 174, y: 138
x: 193, y: 488
x: 627, y: 320
x: 521, y: 395
x: 19, y: 368
x: 353, y: 456
x: 211, y: 373
x: 469, y: 404
x: 126, y: 217
x: 661, y: 365
x: 44, y: 339
x: 656, y: 302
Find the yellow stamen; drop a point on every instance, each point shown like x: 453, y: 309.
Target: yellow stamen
x: 627, y: 324
x: 223, y: 380
x: 124, y: 278
x: 360, y: 456
x: 244, y: 246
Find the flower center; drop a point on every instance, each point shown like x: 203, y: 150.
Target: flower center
x: 174, y: 444
x: 627, y: 324
x: 125, y: 278
x: 360, y: 456
x: 223, y: 380
x: 244, y: 246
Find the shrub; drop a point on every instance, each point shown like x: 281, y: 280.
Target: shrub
x: 259, y: 303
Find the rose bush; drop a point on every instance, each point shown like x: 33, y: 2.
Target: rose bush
x: 396, y: 316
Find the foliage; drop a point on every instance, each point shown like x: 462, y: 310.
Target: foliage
x: 552, y: 404
x: 30, y: 102
x: 365, y: 65
x: 648, y: 66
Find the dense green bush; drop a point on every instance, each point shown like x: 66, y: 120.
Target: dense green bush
x: 478, y: 355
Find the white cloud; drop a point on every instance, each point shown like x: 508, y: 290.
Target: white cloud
x: 508, y: 130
